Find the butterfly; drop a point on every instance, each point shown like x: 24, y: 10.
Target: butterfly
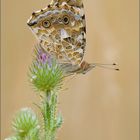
x: 60, y: 29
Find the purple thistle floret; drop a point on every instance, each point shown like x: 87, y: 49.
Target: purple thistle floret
x: 44, y: 57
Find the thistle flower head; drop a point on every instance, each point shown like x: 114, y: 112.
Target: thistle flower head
x: 25, y: 123
x: 45, y: 73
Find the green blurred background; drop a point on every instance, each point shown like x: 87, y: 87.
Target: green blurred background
x: 101, y: 105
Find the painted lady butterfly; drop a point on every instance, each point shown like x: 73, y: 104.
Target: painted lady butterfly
x: 61, y: 31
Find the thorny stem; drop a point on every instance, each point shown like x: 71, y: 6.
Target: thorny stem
x: 49, y: 115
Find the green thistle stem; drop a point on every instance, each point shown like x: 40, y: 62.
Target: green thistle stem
x: 49, y: 111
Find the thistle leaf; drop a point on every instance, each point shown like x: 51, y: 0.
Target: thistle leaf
x: 59, y: 120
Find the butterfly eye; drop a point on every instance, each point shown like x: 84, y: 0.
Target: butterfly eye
x: 46, y: 24
x: 66, y: 20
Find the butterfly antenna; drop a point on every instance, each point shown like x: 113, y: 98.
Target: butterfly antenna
x: 106, y: 66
